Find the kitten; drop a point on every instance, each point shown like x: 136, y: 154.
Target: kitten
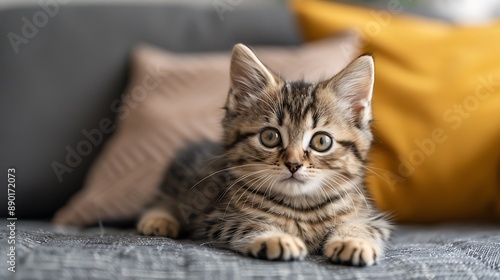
x: 288, y: 177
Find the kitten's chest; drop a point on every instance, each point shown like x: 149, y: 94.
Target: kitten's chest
x: 312, y: 233
x: 311, y: 227
x: 310, y: 220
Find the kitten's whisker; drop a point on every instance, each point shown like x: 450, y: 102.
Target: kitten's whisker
x: 238, y: 180
x: 256, y: 190
x: 250, y: 186
x: 264, y: 182
x: 355, y: 187
x: 210, y: 161
x: 211, y: 242
x: 348, y: 193
x: 374, y: 167
x: 321, y: 191
x: 341, y: 196
x: 346, y: 180
x: 332, y: 188
x: 380, y: 176
x: 225, y: 169
x: 261, y: 179
x: 241, y: 187
x: 270, y: 187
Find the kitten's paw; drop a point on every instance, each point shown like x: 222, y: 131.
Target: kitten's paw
x: 158, y: 225
x: 279, y: 247
x: 353, y: 251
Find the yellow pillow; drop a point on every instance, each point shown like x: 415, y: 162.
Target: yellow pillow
x: 436, y: 108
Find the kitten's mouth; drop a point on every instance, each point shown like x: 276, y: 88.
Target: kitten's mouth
x: 292, y: 179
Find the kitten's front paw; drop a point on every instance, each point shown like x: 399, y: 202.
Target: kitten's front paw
x: 279, y: 247
x: 353, y: 251
x: 158, y: 225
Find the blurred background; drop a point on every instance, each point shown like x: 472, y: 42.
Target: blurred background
x: 465, y: 11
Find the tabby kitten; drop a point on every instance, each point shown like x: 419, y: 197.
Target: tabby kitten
x: 288, y: 177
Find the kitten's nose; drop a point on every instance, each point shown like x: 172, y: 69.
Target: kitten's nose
x: 293, y: 166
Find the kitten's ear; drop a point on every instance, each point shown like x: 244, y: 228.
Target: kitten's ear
x: 354, y: 87
x: 249, y: 76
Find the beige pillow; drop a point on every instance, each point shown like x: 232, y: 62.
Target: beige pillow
x: 174, y: 99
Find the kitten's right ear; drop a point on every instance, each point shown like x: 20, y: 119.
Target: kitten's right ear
x: 249, y: 76
x: 354, y: 87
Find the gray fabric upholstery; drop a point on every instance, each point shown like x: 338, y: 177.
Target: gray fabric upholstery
x: 416, y: 252
x: 67, y: 75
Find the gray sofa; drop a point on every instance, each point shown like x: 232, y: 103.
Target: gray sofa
x: 416, y: 252
x: 60, y: 77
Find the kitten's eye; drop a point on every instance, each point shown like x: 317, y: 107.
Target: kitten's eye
x: 321, y: 142
x: 270, y: 137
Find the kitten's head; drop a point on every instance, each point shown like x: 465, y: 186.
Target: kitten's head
x: 293, y: 137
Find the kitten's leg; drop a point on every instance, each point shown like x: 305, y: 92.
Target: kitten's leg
x: 158, y: 221
x: 357, y: 243
x: 263, y: 241
x: 277, y: 246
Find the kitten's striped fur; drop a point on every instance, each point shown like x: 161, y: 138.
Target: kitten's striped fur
x: 285, y: 201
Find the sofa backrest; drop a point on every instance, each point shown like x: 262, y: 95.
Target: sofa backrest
x: 63, y: 66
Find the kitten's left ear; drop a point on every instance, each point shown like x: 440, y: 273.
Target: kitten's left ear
x: 354, y: 87
x: 249, y: 76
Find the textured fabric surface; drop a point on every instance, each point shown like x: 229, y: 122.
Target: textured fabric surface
x: 437, y: 86
x: 177, y: 104
x: 69, y: 72
x: 416, y: 252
